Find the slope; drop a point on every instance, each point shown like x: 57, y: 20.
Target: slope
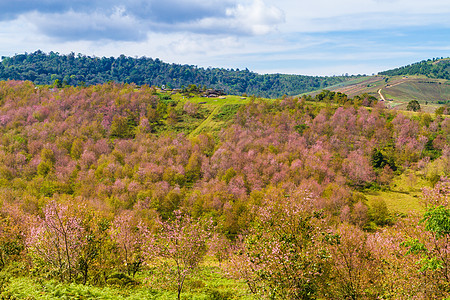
x: 431, y: 68
x: 42, y: 68
x: 397, y: 91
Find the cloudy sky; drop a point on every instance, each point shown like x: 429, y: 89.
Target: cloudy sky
x: 310, y: 37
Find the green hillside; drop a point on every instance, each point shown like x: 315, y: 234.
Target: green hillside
x: 119, y: 191
x: 431, y: 68
x: 42, y: 68
x: 399, y: 90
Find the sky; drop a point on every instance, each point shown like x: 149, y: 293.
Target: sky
x: 307, y: 37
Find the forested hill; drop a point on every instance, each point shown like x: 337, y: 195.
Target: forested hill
x: 42, y: 68
x: 432, y: 68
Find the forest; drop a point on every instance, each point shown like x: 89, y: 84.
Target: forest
x: 108, y: 191
x: 71, y: 69
x: 432, y: 68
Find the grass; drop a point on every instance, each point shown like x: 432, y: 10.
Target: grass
x: 404, y: 194
x: 217, y: 112
x: 208, y: 283
x: 399, y: 89
x: 422, y: 90
x: 337, y: 86
x: 397, y: 202
x: 27, y: 288
x: 225, y: 107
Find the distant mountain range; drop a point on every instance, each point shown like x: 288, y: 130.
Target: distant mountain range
x: 42, y: 68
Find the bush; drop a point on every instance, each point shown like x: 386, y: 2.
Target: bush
x: 214, y: 294
x: 120, y: 279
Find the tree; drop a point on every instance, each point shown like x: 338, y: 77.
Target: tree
x: 56, y: 241
x: 413, y: 105
x: 377, y: 159
x: 128, y: 233
x: 354, y: 270
x: 120, y: 127
x: 432, y: 245
x: 357, y: 168
x: 96, y: 254
x: 191, y: 108
x: 12, y: 233
x: 283, y: 255
x: 180, y: 242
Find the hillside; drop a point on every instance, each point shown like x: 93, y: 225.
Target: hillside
x: 42, y: 68
x: 431, y: 68
x: 397, y: 91
x: 112, y: 191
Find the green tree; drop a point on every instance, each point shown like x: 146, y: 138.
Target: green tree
x: 377, y: 159
x: 413, y: 105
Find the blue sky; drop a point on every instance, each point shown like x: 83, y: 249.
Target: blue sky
x: 319, y: 37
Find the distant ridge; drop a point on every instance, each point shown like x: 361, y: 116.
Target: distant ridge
x: 71, y: 69
x: 438, y: 68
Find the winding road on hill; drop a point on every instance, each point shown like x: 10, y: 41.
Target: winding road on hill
x: 381, y: 95
x: 389, y: 86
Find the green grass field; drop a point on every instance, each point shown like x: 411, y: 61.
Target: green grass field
x: 403, y: 195
x: 208, y: 283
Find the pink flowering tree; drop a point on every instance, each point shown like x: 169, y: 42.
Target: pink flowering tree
x: 128, y: 233
x: 358, y: 169
x: 13, y: 229
x: 283, y: 257
x: 56, y: 241
x: 355, y: 271
x: 430, y: 244
x: 220, y: 247
x: 179, y: 246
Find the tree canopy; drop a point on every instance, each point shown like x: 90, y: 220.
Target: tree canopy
x: 432, y: 68
x: 71, y: 69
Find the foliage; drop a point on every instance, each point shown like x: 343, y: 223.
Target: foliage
x: 432, y: 68
x: 128, y: 233
x: 300, y: 192
x: 413, y: 105
x: 437, y: 221
x: 57, y: 240
x: 282, y: 252
x: 53, y: 68
x: 432, y: 253
x: 183, y: 243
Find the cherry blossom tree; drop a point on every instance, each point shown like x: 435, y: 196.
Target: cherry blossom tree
x: 180, y: 245
x: 56, y: 241
x: 128, y: 233
x: 430, y: 244
x: 283, y: 254
x: 358, y: 169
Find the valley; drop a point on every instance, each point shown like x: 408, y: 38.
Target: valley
x: 126, y: 191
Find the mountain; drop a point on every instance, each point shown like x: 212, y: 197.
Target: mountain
x: 42, y: 68
x: 426, y: 82
x: 100, y: 184
x: 431, y: 68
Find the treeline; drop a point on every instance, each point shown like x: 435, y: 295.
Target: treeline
x: 42, y: 68
x: 91, y: 193
x: 432, y: 68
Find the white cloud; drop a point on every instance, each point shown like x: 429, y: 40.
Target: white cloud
x: 133, y: 19
x: 302, y: 36
x: 256, y: 17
